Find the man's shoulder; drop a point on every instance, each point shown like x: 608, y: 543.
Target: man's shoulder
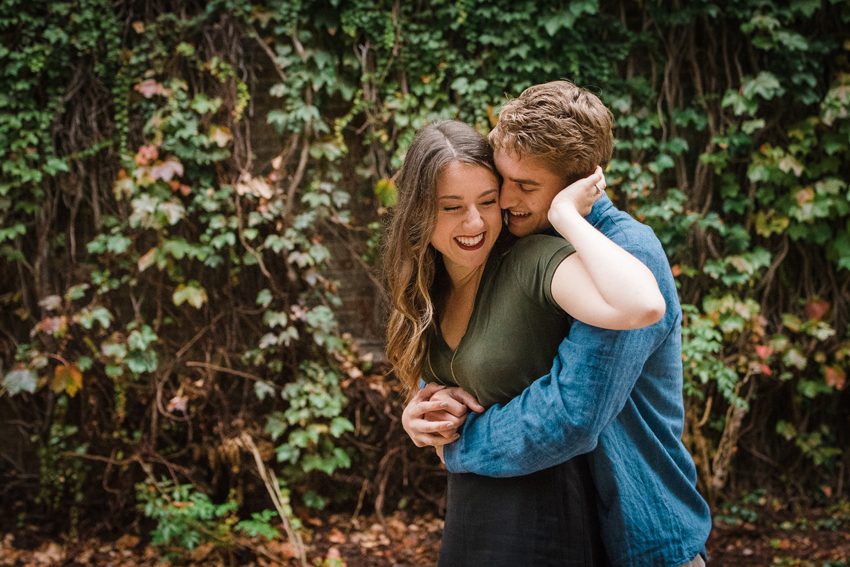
x: 623, y: 229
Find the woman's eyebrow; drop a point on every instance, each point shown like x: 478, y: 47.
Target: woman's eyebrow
x: 458, y: 197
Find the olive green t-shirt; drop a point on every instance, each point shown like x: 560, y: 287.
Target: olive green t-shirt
x: 515, y: 327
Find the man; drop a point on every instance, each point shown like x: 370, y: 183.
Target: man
x: 615, y: 395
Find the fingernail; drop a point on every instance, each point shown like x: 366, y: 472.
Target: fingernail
x: 449, y: 425
x: 444, y: 405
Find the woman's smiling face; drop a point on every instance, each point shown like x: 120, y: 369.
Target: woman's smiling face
x: 468, y: 215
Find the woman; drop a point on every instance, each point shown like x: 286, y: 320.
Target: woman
x: 471, y: 308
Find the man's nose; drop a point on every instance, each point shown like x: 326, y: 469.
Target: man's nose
x: 507, y: 196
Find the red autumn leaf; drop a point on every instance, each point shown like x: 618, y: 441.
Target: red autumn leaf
x: 68, y: 379
x: 763, y: 351
x: 177, y: 403
x: 816, y: 309
x: 676, y: 270
x: 766, y: 370
x: 149, y: 88
x: 804, y: 196
x: 835, y: 377
x: 167, y: 170
x: 147, y: 259
x: 50, y: 325
x: 146, y: 154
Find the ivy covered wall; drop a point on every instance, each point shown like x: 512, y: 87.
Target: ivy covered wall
x: 177, y: 177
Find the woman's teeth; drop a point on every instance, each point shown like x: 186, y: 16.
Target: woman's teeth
x: 519, y: 214
x: 470, y: 240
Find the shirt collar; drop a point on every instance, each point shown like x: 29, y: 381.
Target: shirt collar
x: 599, y: 208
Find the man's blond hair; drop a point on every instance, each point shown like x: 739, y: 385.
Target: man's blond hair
x: 562, y: 127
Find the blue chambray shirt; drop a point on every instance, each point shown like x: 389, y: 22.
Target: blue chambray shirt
x: 616, y: 395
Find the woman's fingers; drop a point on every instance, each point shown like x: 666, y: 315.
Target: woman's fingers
x: 418, y: 423
x: 435, y: 413
x: 431, y: 406
x: 433, y: 433
x: 582, y: 194
x: 601, y: 184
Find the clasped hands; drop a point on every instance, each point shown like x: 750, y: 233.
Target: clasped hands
x: 435, y: 413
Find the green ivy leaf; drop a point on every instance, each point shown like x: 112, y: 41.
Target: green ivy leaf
x: 259, y: 525
x: 340, y: 425
x: 313, y: 500
x: 194, y: 294
x: 139, y: 362
x: 88, y: 317
x: 76, y: 292
x: 202, y: 104
x: 264, y: 298
x: 765, y: 85
x: 20, y: 380
x: 786, y: 429
x: 262, y: 389
x: 276, y: 425
x: 275, y: 318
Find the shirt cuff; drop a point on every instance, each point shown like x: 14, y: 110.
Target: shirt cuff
x: 451, y: 455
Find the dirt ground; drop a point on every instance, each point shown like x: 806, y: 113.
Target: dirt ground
x: 406, y: 540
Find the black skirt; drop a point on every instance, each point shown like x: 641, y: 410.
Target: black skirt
x: 547, y: 518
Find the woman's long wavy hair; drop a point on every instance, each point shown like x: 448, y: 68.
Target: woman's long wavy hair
x: 411, y: 262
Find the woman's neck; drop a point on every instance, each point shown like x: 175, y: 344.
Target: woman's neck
x: 461, y: 277
x: 459, y: 302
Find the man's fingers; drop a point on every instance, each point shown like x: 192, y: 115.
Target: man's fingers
x: 443, y: 415
x: 468, y: 400
x: 459, y: 401
x: 452, y: 406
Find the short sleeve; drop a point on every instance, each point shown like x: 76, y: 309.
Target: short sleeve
x: 533, y: 261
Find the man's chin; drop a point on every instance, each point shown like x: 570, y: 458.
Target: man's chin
x: 517, y: 231
x: 519, y: 226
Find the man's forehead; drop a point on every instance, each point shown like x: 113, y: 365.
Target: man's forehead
x: 521, y: 169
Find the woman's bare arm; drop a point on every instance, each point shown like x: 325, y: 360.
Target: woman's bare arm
x: 601, y: 284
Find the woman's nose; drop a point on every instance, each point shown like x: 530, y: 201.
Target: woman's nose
x: 473, y: 218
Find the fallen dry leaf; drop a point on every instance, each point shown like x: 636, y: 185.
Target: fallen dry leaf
x: 337, y: 536
x: 127, y: 541
x: 49, y: 554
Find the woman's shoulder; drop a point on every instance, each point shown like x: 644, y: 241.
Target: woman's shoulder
x: 539, y: 245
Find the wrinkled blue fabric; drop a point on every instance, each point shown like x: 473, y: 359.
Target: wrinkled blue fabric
x: 616, y: 395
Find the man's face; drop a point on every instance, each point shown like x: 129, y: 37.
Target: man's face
x: 527, y: 193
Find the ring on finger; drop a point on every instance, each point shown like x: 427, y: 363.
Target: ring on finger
x: 598, y: 188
